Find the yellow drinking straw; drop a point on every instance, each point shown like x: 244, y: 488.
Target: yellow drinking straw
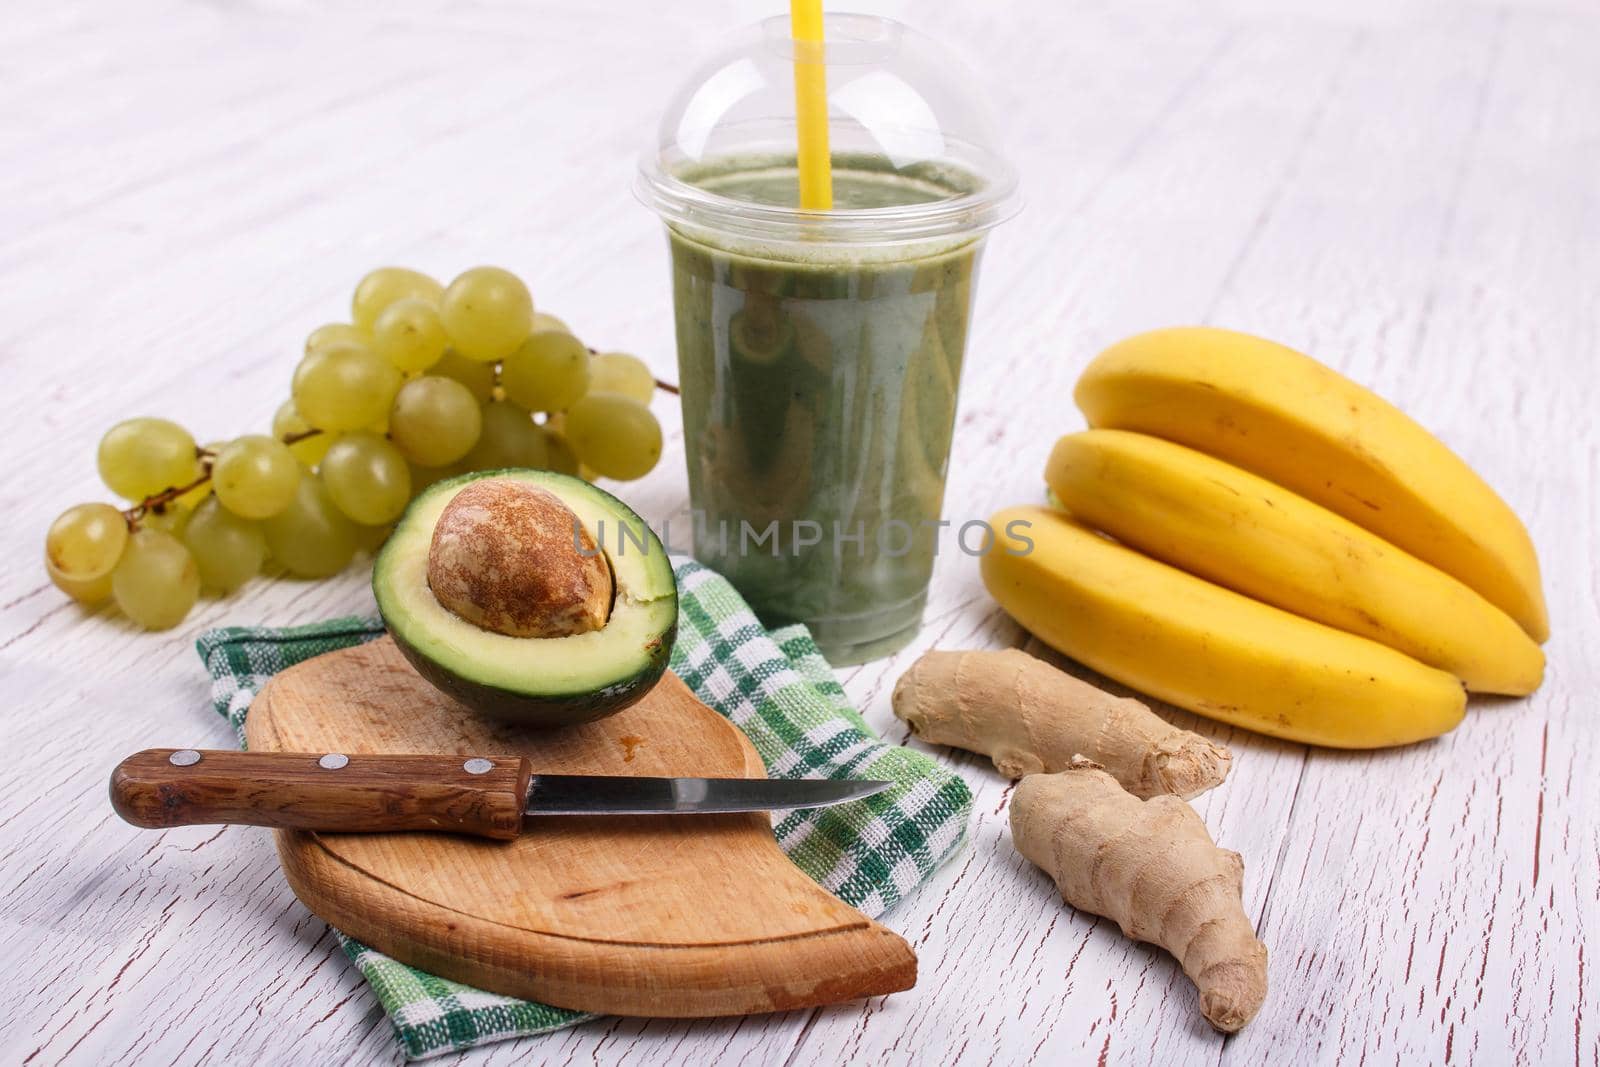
x: 811, y: 105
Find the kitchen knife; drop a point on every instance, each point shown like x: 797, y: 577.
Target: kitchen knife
x: 486, y: 796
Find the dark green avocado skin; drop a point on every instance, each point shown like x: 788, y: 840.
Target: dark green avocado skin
x: 510, y: 706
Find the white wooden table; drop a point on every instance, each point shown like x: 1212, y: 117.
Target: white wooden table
x: 1408, y: 191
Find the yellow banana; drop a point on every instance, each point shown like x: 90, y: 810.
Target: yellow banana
x: 1288, y: 418
x: 1243, y: 532
x: 1202, y: 647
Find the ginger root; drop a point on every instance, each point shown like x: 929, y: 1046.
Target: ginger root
x: 1150, y: 866
x: 1029, y: 717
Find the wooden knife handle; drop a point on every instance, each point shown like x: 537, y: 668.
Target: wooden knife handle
x: 163, y: 787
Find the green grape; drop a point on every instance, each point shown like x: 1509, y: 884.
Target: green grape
x: 288, y: 423
x: 371, y: 538
x: 618, y: 372
x: 547, y: 373
x: 311, y: 538
x: 409, y: 334
x: 168, y: 519
x: 509, y: 439
x: 82, y: 548
x: 434, y: 421
x: 192, y: 499
x: 487, y: 313
x: 559, y: 456
x: 88, y: 592
x: 422, y: 477
x: 367, y: 478
x: 156, y: 582
x: 337, y: 333
x: 384, y: 286
x: 228, y: 550
x: 196, y: 496
x: 477, y: 377
x: 544, y: 321
x: 255, y: 476
x: 141, y: 457
x: 344, y: 387
x: 86, y: 540
x: 617, y: 436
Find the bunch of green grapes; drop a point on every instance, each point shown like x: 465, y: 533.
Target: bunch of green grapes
x: 425, y: 382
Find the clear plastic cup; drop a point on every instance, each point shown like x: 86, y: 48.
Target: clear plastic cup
x: 820, y: 353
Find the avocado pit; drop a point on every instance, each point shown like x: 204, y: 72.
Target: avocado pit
x: 512, y: 558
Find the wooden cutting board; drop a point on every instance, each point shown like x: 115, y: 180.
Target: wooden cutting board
x: 663, y: 915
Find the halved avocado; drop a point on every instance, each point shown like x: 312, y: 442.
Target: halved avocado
x: 544, y: 681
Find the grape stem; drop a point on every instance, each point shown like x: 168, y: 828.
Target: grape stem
x: 206, y: 456
x: 665, y: 387
x: 157, y: 501
x: 163, y: 498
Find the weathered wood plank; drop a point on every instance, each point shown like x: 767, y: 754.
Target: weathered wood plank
x: 1407, y: 191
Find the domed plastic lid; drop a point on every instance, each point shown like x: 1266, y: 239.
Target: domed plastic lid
x: 914, y: 157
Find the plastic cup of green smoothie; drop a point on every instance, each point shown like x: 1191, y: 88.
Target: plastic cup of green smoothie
x: 820, y: 352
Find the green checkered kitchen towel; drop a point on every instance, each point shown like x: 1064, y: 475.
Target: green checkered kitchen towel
x: 775, y: 686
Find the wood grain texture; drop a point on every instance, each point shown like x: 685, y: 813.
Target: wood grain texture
x: 1404, y: 189
x: 663, y: 916
x: 303, y: 791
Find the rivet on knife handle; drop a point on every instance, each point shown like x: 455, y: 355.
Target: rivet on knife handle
x: 329, y: 791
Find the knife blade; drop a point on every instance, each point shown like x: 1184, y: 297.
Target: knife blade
x: 482, y: 795
x: 589, y: 794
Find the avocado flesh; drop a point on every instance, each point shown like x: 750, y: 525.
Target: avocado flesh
x: 540, y: 681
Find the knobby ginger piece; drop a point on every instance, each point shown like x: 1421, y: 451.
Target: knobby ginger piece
x: 1150, y: 866
x: 1029, y: 717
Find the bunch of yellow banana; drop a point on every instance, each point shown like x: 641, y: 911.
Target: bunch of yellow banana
x: 1292, y: 553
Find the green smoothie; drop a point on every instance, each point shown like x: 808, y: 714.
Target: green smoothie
x: 819, y: 386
